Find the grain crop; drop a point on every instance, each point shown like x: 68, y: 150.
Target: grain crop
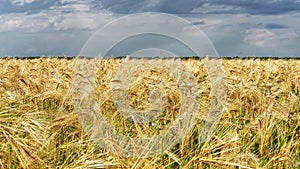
x: 260, y: 127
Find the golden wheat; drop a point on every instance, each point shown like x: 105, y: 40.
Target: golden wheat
x: 259, y: 129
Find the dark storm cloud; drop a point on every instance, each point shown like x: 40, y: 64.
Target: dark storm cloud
x: 7, y: 6
x: 275, y: 26
x: 186, y: 6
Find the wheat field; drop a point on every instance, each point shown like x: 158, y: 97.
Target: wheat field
x: 260, y: 127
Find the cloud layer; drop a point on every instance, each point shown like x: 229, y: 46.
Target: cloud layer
x: 187, y: 7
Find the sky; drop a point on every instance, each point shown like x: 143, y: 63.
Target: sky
x: 234, y: 27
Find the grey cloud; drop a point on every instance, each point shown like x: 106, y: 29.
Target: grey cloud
x: 179, y: 6
x: 133, y: 6
x: 199, y: 23
x: 122, y: 6
x: 6, y: 6
x: 38, y: 44
x: 184, y: 7
x: 275, y: 26
x: 262, y: 7
x: 257, y: 7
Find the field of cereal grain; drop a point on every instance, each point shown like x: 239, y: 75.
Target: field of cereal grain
x: 260, y: 127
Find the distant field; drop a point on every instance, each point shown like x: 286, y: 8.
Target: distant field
x: 259, y: 129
